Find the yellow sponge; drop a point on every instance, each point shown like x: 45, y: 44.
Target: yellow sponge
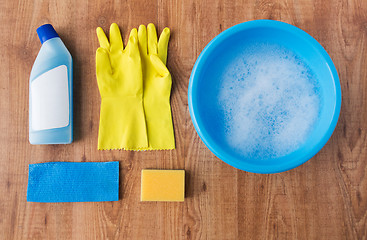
x: 163, y: 185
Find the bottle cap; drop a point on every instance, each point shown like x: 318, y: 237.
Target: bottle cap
x: 46, y: 32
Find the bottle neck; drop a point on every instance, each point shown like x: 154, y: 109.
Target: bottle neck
x: 46, y: 32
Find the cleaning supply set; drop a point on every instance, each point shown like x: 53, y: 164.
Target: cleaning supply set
x: 135, y: 87
x: 244, y: 115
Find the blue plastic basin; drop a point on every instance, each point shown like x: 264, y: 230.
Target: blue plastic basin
x: 204, y: 84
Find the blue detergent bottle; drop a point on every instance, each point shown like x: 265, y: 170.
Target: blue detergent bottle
x: 51, y: 91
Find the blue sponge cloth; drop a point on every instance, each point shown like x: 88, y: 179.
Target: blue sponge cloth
x: 73, y: 182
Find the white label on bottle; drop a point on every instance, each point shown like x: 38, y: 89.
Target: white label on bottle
x: 50, y: 99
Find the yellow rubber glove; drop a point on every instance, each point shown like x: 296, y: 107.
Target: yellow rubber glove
x: 119, y: 75
x: 157, y: 87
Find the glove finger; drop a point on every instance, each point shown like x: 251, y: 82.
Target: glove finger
x: 163, y: 45
x: 159, y: 65
x: 142, y: 39
x: 132, y: 45
x: 103, y: 63
x: 152, y: 39
x: 115, y: 38
x: 103, y: 41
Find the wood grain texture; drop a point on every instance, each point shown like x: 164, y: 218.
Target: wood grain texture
x: 326, y: 198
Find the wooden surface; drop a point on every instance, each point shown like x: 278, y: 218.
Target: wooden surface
x: 326, y: 198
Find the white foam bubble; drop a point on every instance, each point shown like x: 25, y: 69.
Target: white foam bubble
x: 270, y: 101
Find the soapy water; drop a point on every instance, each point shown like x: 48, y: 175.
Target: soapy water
x: 270, y: 101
